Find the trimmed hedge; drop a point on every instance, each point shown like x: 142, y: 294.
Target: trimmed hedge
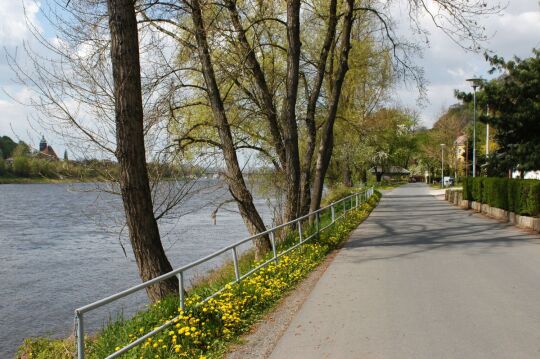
x: 515, y: 195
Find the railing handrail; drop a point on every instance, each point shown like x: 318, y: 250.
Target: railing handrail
x: 179, y: 271
x: 186, y: 267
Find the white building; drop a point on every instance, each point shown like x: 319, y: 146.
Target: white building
x: 528, y: 174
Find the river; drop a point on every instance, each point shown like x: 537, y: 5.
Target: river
x: 60, y: 249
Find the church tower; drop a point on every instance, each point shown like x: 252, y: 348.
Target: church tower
x: 42, y: 144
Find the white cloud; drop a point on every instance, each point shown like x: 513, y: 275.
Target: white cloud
x: 14, y: 121
x: 512, y: 32
x: 13, y: 29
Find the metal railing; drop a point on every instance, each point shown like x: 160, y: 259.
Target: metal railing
x: 352, y: 202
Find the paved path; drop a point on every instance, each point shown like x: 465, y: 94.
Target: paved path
x: 423, y: 279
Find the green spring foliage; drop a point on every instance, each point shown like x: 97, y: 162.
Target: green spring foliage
x: 515, y: 195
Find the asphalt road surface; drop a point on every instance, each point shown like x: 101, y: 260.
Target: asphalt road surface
x: 423, y: 279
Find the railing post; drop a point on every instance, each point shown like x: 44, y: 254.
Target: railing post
x: 180, y: 277
x: 273, y: 243
x: 333, y: 213
x: 356, y: 197
x: 79, y: 334
x: 344, y: 208
x: 300, y: 230
x: 235, y: 260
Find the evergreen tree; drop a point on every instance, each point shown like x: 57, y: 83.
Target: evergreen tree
x: 7, y: 145
x: 515, y: 112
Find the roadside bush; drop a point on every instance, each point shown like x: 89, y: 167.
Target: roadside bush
x: 495, y: 192
x: 467, y: 188
x: 477, y: 186
x: 515, y: 195
x: 529, y: 203
x: 338, y: 192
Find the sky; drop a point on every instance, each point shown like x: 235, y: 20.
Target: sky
x: 515, y: 31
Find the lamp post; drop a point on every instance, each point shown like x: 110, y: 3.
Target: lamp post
x: 487, y: 132
x: 442, y: 165
x: 475, y: 83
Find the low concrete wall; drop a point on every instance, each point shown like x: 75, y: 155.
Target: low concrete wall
x: 465, y: 204
x: 476, y: 206
x: 456, y: 197
x: 525, y: 221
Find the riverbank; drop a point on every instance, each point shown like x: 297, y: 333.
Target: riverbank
x: 218, y: 323
x: 44, y: 180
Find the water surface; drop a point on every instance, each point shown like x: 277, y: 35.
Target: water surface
x: 60, y: 248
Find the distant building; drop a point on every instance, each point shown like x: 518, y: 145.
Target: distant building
x: 389, y: 172
x: 46, y: 151
x: 527, y: 174
x: 461, y: 148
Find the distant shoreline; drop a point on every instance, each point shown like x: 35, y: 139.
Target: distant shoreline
x: 43, y: 180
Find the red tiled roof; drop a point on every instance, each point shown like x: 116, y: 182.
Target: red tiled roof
x: 49, y: 152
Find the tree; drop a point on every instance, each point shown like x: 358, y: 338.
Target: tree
x: 2, y: 164
x: 514, y: 112
x: 7, y: 145
x: 21, y: 150
x: 326, y: 142
x: 234, y: 177
x: 66, y: 156
x: 130, y: 151
x: 75, y: 95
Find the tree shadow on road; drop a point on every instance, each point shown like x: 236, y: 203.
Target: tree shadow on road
x: 402, y: 232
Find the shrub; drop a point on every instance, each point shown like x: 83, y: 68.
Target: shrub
x: 338, y: 192
x: 530, y: 197
x: 477, y: 184
x: 495, y: 192
x: 514, y: 195
x: 467, y: 188
x: 21, y: 166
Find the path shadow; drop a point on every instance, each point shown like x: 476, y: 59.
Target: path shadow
x: 412, y: 227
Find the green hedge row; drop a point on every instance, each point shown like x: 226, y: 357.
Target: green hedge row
x: 514, y: 195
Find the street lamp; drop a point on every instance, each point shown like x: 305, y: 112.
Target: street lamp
x: 442, y: 165
x: 475, y: 83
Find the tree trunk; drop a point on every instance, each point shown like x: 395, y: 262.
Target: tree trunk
x: 306, y: 175
x: 260, y: 80
x: 327, y: 136
x: 285, y: 132
x: 347, y: 175
x: 234, y: 176
x: 364, y: 175
x: 130, y: 151
x: 288, y: 114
